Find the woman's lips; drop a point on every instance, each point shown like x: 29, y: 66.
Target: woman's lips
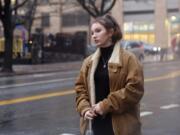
x: 96, y: 41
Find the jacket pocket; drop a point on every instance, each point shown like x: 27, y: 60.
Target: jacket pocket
x: 117, y: 78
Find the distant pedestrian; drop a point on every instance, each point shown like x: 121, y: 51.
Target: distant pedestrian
x: 110, y: 84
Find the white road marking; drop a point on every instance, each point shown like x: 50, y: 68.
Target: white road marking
x: 170, y: 106
x: 142, y: 114
x: 51, y: 74
x: 38, y: 75
x: 66, y: 134
x: 35, y: 83
x: 43, y: 75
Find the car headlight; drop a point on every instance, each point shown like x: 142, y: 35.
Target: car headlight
x: 159, y: 49
x: 155, y: 49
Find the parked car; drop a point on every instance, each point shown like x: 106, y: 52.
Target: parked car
x: 135, y: 47
x: 91, y: 48
x: 151, y: 49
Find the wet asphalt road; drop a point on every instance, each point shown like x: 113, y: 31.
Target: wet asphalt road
x: 43, y: 104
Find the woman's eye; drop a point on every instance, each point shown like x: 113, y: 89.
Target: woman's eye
x: 98, y: 30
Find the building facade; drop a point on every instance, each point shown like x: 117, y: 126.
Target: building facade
x: 146, y: 20
x: 153, y: 21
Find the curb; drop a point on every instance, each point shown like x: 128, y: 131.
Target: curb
x: 56, y: 67
x: 46, y: 68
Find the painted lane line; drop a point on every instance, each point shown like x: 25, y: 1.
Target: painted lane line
x: 163, y: 77
x: 66, y: 134
x: 36, y: 97
x: 170, y: 75
x: 42, y: 96
x: 38, y: 75
x: 142, y: 114
x: 35, y: 83
x: 43, y: 75
x: 170, y: 106
x: 51, y: 74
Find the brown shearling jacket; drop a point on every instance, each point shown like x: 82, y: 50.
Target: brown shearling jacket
x: 126, y: 90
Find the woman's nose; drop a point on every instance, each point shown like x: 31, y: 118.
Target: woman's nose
x: 93, y: 36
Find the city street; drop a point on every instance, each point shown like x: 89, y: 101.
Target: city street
x: 44, y: 103
x: 44, y: 42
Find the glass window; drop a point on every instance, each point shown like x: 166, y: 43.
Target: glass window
x: 45, y: 22
x: 75, y: 19
x: 43, y: 1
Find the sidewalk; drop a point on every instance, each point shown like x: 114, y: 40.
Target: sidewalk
x: 43, y: 68
x: 55, y: 67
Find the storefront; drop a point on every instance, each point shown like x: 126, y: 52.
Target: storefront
x: 142, y: 31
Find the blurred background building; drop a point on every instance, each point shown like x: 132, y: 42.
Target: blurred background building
x: 152, y: 21
x: 156, y: 22
x: 142, y: 19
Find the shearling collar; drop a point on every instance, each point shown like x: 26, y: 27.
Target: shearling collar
x: 115, y: 57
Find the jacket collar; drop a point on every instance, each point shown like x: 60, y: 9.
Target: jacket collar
x: 115, y: 57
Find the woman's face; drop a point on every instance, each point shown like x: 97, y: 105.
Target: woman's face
x: 100, y: 36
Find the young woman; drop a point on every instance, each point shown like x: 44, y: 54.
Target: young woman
x: 110, y: 84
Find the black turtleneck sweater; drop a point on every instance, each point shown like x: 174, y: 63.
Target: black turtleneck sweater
x: 101, y: 74
x: 102, y: 125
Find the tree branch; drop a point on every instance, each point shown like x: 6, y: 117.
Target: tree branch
x: 92, y: 2
x: 1, y: 10
x: 82, y: 3
x: 102, y: 6
x: 97, y: 10
x: 105, y: 11
x: 20, y: 5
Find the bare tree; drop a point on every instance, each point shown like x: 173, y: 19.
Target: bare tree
x: 31, y: 6
x: 6, y: 10
x: 97, y: 7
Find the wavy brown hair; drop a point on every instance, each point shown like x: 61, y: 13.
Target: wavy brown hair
x: 110, y: 23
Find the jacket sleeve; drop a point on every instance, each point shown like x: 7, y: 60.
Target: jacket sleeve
x: 128, y: 97
x: 82, y: 97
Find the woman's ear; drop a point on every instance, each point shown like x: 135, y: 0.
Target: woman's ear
x: 111, y: 32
